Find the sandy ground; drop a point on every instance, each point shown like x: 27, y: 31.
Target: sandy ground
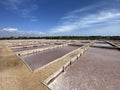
x: 14, y: 75
x: 37, y: 60
x: 97, y: 69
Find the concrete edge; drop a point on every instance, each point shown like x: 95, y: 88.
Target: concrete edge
x: 111, y: 43
x: 104, y: 47
x: 26, y: 46
x: 28, y: 67
x: 62, y: 69
x: 27, y: 52
x: 83, y: 48
x: 46, y: 85
x: 56, y: 60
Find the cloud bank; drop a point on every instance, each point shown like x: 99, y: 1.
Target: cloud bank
x: 23, y: 8
x: 102, y: 15
x: 8, y: 32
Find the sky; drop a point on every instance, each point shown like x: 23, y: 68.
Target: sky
x: 59, y: 18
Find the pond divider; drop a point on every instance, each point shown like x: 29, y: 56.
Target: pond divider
x: 73, y: 58
x: 34, y: 51
x: 113, y: 44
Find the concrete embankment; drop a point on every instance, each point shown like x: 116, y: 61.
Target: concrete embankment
x: 97, y: 69
x: 40, y: 59
x: 27, y: 52
x: 113, y: 44
x: 73, y: 56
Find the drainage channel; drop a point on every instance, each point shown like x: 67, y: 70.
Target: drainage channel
x: 37, y: 60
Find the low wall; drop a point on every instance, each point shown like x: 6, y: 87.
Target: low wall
x: 73, y: 58
x: 27, y: 52
x: 25, y: 46
x: 111, y: 43
x: 75, y: 45
x: 104, y: 47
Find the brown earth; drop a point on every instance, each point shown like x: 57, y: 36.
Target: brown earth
x: 14, y: 75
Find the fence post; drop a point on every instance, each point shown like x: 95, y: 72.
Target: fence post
x: 63, y: 69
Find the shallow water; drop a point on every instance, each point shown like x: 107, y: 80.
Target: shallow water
x: 102, y: 45
x: 37, y: 60
x: 97, y: 69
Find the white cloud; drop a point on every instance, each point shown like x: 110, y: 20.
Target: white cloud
x: 34, y: 20
x: 26, y: 11
x: 106, y: 31
x: 41, y: 33
x: 8, y: 32
x: 90, y: 20
x: 99, y: 15
x: 21, y: 7
x: 12, y: 4
x: 10, y: 29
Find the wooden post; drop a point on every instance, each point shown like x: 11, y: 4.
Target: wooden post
x: 63, y: 69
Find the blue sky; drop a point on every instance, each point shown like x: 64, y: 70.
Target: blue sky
x: 59, y: 17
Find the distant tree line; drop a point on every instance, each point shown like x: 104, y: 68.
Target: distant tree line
x: 67, y: 37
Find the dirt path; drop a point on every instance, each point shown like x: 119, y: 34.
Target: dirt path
x: 14, y: 75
